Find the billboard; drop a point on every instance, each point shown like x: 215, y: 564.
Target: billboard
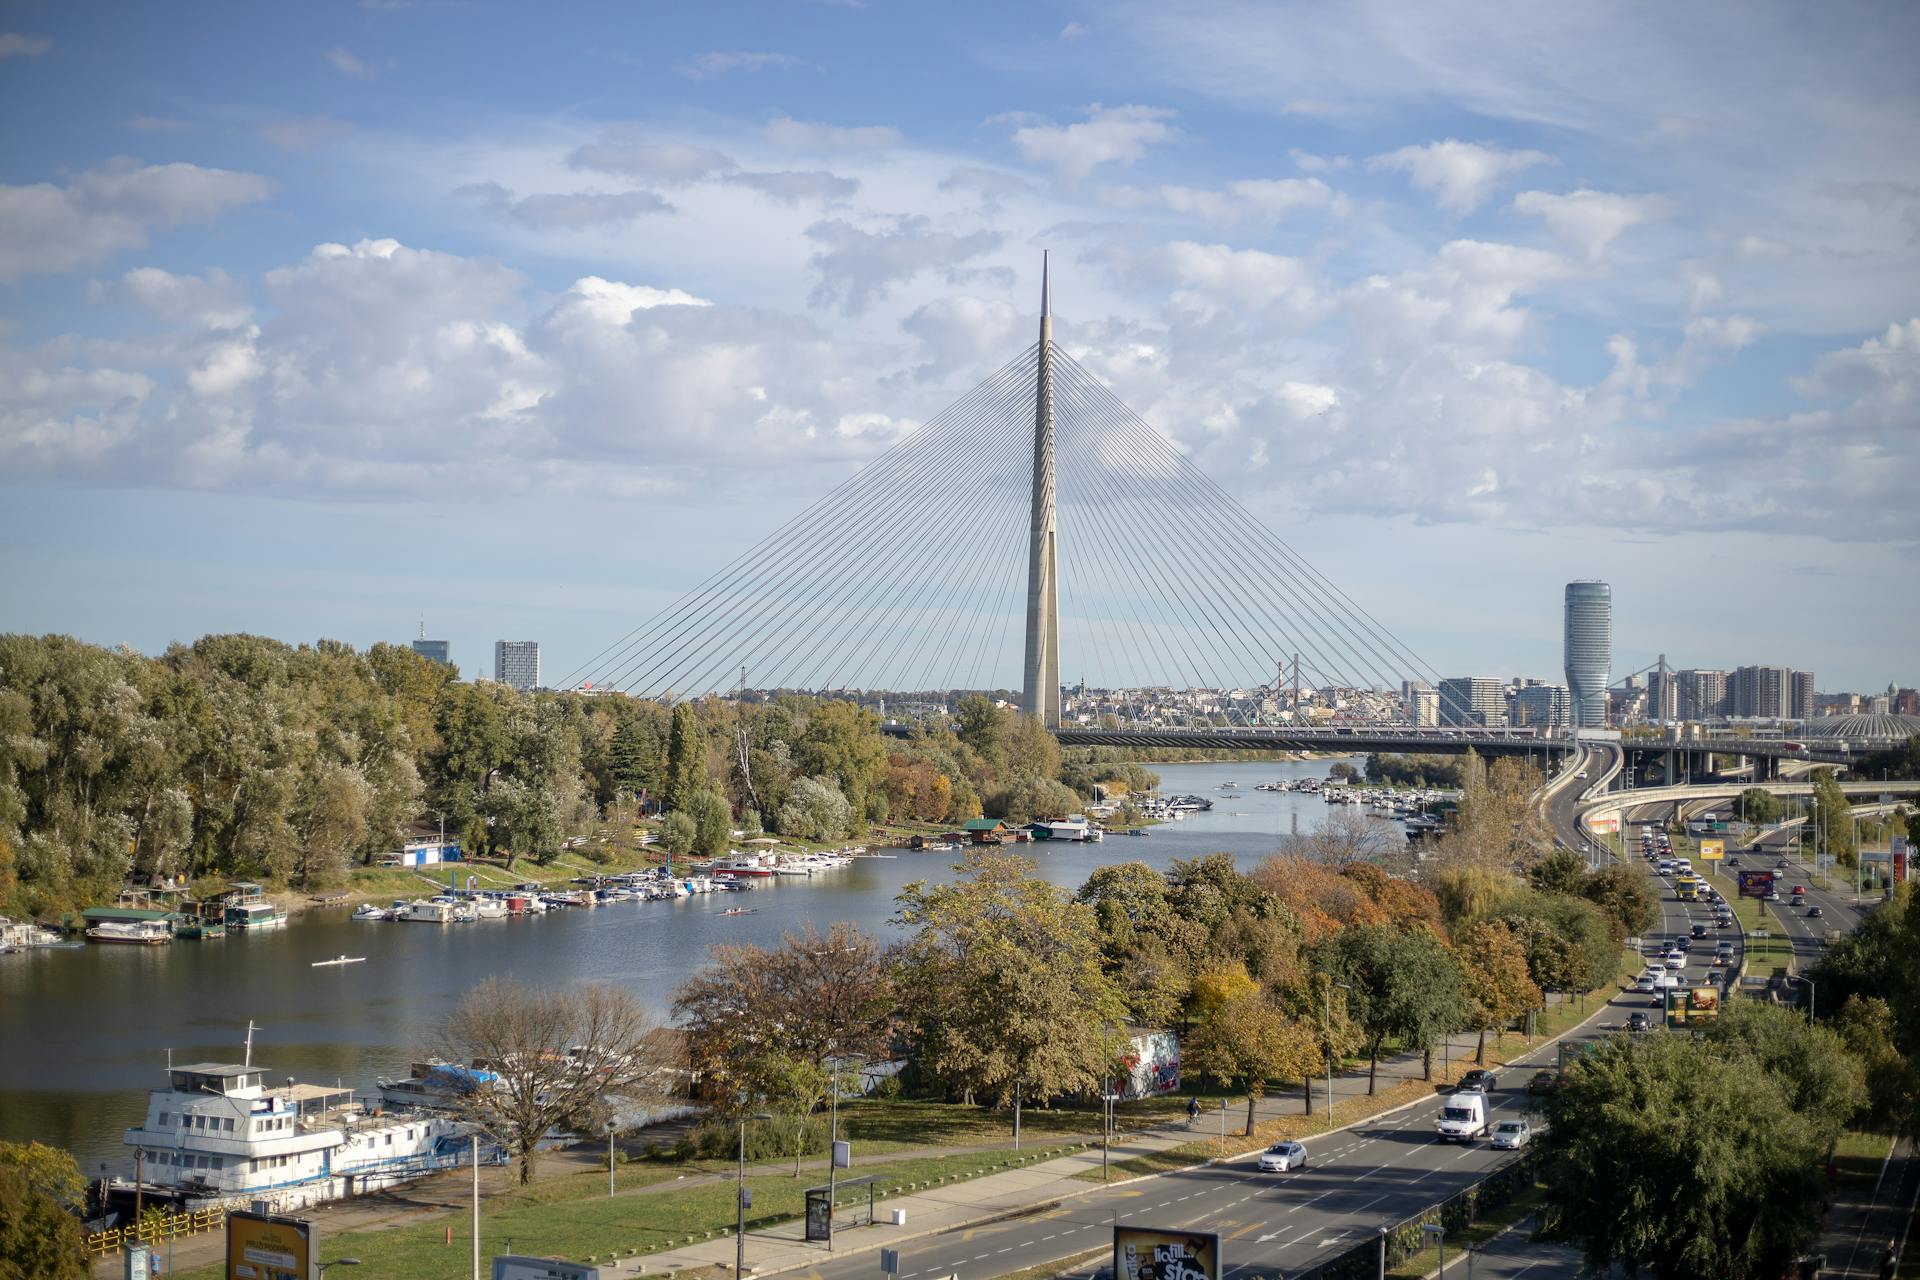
x: 1148, y: 1253
x: 1756, y: 884
x: 263, y: 1246
x: 512, y: 1267
x: 1692, y: 1007
x: 1607, y: 824
x: 1713, y: 850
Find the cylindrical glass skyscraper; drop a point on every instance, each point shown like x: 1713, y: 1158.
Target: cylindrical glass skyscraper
x: 1589, y: 650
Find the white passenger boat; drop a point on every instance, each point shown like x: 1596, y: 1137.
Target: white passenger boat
x: 367, y: 911
x: 218, y: 1134
x: 144, y: 933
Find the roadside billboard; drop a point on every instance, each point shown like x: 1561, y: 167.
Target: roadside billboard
x: 1148, y: 1253
x: 263, y: 1246
x: 1607, y: 824
x: 1693, y: 1007
x: 1756, y: 884
x: 1713, y: 850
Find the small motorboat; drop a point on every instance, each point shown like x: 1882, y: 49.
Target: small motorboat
x: 341, y: 959
x: 739, y: 911
x: 367, y: 911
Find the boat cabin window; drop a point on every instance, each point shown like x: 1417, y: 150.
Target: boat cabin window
x: 165, y: 1119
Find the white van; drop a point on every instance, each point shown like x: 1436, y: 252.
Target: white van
x: 1682, y: 867
x: 1463, y: 1118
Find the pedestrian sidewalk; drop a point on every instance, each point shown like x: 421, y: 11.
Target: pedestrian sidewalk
x: 1862, y: 1224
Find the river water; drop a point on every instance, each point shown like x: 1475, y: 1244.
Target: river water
x: 87, y: 1031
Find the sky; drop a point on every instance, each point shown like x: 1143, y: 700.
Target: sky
x: 329, y: 320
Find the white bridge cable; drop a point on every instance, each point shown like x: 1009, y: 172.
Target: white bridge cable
x: 1360, y: 628
x: 1103, y: 499
x: 1225, y: 600
x: 1171, y: 519
x: 784, y: 570
x: 867, y: 478
x: 895, y: 565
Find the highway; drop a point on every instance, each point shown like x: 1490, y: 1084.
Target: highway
x: 1356, y: 1182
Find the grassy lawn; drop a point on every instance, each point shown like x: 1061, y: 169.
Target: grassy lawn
x: 574, y: 1218
x: 1477, y: 1233
x: 1860, y: 1156
x: 1765, y: 956
x: 882, y: 1127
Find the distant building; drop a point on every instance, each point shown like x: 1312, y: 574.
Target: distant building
x: 1473, y: 702
x: 432, y: 650
x: 1539, y: 705
x: 1422, y: 702
x: 1589, y: 650
x: 1702, y: 694
x: 1760, y: 693
x: 1663, y: 696
x: 517, y: 663
x: 1800, y: 705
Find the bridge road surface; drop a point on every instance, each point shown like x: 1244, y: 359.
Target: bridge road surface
x: 1357, y: 1181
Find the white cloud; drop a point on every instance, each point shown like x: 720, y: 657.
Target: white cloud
x: 856, y: 267
x: 305, y: 133
x: 1072, y: 31
x: 107, y: 210
x: 1460, y: 175
x: 567, y: 210
x: 963, y: 332
x: 629, y: 151
x: 1590, y: 221
x: 717, y: 64
x: 13, y: 44
x: 1108, y: 136
x: 793, y: 187
x: 805, y: 135
x: 348, y: 65
x: 1307, y: 162
x: 213, y: 301
x: 1259, y: 199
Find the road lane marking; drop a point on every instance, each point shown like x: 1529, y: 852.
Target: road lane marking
x: 1304, y: 1203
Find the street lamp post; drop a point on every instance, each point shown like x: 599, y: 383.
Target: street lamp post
x: 1439, y: 1233
x: 611, y: 1125
x: 1327, y: 1002
x: 740, y: 1201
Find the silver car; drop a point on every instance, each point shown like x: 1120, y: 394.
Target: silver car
x: 1283, y: 1157
x: 1511, y: 1135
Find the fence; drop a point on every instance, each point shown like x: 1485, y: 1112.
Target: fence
x: 1457, y: 1211
x: 155, y: 1228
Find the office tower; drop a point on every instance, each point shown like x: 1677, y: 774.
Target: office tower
x: 1539, y: 705
x: 1422, y: 702
x: 1473, y: 702
x: 517, y: 662
x: 1589, y: 650
x: 432, y: 650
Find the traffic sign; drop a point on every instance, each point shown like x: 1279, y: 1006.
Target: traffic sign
x: 890, y: 1261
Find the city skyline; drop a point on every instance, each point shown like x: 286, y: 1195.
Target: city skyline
x: 1420, y: 313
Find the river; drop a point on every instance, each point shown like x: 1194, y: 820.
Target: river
x: 88, y: 1030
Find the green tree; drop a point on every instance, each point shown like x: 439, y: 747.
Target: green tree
x: 635, y: 758
x: 713, y: 824
x: 1499, y: 986
x: 1758, y: 805
x: 1670, y: 1156
x: 686, y: 758
x: 1243, y: 1041
x: 814, y: 810
x: 1829, y: 827
x: 678, y: 832
x: 41, y: 1198
x: 1562, y: 871
x: 1823, y: 1082
x: 1625, y: 896
x: 1403, y: 985
x: 1009, y: 984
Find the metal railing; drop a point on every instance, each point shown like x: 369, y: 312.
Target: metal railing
x: 154, y: 1228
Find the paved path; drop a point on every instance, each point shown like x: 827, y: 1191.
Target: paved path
x: 1866, y: 1220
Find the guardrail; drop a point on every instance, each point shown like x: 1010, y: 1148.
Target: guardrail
x: 155, y: 1228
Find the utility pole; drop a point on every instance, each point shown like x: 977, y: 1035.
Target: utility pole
x: 1041, y: 697
x: 476, y: 1206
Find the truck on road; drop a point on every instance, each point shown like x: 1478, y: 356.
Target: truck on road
x: 1463, y: 1118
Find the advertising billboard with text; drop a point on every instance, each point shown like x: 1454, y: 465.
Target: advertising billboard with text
x: 1756, y: 884
x: 264, y: 1246
x: 1148, y: 1253
x: 1713, y: 850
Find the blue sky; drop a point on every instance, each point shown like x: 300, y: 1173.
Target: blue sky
x: 315, y: 319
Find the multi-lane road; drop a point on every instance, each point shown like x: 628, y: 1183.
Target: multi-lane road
x: 1356, y: 1182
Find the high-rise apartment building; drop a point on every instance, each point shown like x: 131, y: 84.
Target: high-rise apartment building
x: 1589, y: 649
x: 1760, y: 693
x: 1473, y: 702
x: 1422, y: 702
x: 1800, y: 704
x: 517, y: 663
x: 1539, y: 705
x: 1702, y: 694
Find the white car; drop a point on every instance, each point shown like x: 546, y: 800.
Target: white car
x: 1656, y: 970
x: 1511, y: 1135
x: 1646, y: 984
x: 1283, y: 1157
x: 1669, y: 982
x: 1676, y: 959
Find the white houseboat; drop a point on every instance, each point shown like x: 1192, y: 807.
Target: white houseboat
x: 218, y: 1135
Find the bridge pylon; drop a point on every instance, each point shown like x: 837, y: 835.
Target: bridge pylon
x: 1041, y: 695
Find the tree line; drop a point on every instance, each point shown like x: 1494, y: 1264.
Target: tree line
x: 1006, y: 989
x: 243, y: 757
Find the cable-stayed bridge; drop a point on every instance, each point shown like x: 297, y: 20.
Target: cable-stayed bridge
x: 1039, y: 527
